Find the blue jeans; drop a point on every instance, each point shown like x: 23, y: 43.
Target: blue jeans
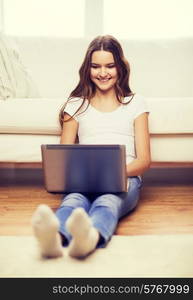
x: 105, y: 210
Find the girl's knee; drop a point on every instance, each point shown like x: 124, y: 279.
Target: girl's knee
x: 107, y: 199
x: 135, y: 183
x: 75, y: 200
x: 110, y: 201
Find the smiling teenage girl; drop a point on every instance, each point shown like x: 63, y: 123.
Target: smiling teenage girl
x: 100, y: 110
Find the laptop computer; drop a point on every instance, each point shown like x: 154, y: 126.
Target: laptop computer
x: 84, y: 168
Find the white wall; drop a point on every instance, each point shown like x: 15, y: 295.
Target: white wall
x: 149, y: 19
x: 44, y: 17
x: 1, y: 15
x: 94, y: 11
x: 125, y: 19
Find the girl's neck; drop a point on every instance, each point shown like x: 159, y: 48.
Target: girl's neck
x: 104, y: 97
x: 105, y: 102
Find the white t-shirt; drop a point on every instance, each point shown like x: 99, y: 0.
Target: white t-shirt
x: 116, y: 127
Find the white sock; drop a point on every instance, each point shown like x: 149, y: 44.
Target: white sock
x: 45, y: 226
x: 84, y: 236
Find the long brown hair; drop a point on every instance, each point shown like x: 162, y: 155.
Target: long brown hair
x: 86, y: 88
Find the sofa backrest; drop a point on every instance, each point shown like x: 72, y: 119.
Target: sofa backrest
x: 159, y: 68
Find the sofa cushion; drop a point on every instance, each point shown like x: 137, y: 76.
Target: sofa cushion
x: 24, y: 147
x: 15, y: 79
x: 27, y: 148
x: 40, y: 116
x: 33, y: 116
x: 171, y: 115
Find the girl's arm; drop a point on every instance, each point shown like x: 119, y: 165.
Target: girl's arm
x: 69, y: 130
x: 142, y: 146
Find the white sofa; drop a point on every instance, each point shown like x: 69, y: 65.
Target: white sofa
x: 161, y: 70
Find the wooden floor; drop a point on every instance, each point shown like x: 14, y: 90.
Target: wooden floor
x: 163, y: 208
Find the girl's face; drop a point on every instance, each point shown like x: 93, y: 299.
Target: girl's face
x: 103, y: 72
